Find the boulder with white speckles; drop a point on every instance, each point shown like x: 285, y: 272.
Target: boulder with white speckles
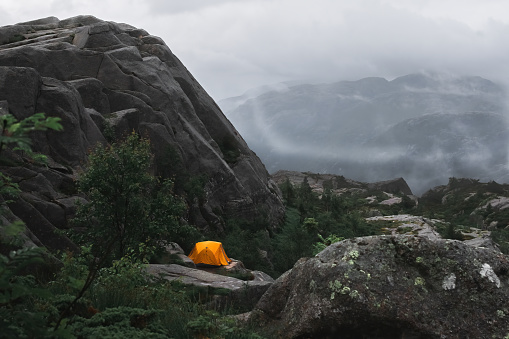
x: 391, y: 287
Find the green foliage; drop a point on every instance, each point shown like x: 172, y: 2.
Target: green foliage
x: 16, y: 132
x: 191, y: 187
x: 461, y: 204
x: 245, y: 240
x: 288, y: 192
x: 324, y: 243
x: 88, y: 299
x: 20, y: 293
x: 291, y: 243
x: 230, y: 149
x: 210, y: 325
x: 313, y: 222
x: 310, y: 224
x: 8, y: 189
x: 13, y: 286
x: 501, y: 237
x: 121, y: 301
x: 194, y: 187
x: 109, y: 131
x: 127, y: 205
x: 120, y: 322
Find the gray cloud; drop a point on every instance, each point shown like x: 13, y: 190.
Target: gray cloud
x: 231, y: 46
x: 161, y: 7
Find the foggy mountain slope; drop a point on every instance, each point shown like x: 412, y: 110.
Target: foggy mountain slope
x: 347, y: 127
x: 434, y: 147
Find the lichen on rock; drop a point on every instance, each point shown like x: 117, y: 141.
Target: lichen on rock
x: 397, y: 287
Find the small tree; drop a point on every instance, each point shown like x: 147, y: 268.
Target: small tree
x: 127, y: 206
x: 288, y: 192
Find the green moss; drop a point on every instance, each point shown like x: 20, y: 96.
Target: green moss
x: 403, y: 230
x: 351, y: 256
x: 335, y: 286
x: 312, y: 286
x: 419, y: 281
x: 354, y: 294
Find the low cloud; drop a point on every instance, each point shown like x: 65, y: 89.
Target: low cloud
x: 231, y: 46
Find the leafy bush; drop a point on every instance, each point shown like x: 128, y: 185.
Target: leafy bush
x: 324, y: 243
x: 230, y: 149
x: 245, y: 241
x: 127, y: 205
x: 17, y: 132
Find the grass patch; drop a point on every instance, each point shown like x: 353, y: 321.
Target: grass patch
x: 403, y: 230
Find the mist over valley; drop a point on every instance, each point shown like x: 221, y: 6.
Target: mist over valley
x: 424, y: 127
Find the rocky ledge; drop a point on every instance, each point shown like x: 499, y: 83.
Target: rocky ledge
x: 398, y: 286
x: 243, y: 294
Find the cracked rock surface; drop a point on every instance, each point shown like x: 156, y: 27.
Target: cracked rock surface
x: 104, y: 78
x: 398, y: 286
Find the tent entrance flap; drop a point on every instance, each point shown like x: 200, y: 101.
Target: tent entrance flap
x: 209, y: 253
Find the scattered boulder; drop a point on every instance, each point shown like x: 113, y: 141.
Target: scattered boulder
x: 396, y: 286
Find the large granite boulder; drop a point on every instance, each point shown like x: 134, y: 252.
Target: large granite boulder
x: 104, y: 80
x: 391, y: 287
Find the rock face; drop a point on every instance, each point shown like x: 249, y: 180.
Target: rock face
x: 104, y: 80
x: 391, y: 287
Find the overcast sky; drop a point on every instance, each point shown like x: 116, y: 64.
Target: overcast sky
x: 231, y: 46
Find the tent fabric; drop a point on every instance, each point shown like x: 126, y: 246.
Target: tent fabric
x: 209, y: 253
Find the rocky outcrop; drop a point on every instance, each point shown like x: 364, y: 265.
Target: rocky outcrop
x: 339, y: 184
x: 398, y: 185
x: 104, y: 80
x: 424, y: 227
x: 391, y: 287
x: 482, y: 204
x: 240, y: 293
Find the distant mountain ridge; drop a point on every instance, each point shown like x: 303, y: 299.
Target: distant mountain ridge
x: 423, y: 127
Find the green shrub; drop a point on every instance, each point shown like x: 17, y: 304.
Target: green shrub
x: 230, y: 149
x: 324, y: 243
x: 128, y: 206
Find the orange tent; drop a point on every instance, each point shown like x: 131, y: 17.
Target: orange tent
x: 209, y: 253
